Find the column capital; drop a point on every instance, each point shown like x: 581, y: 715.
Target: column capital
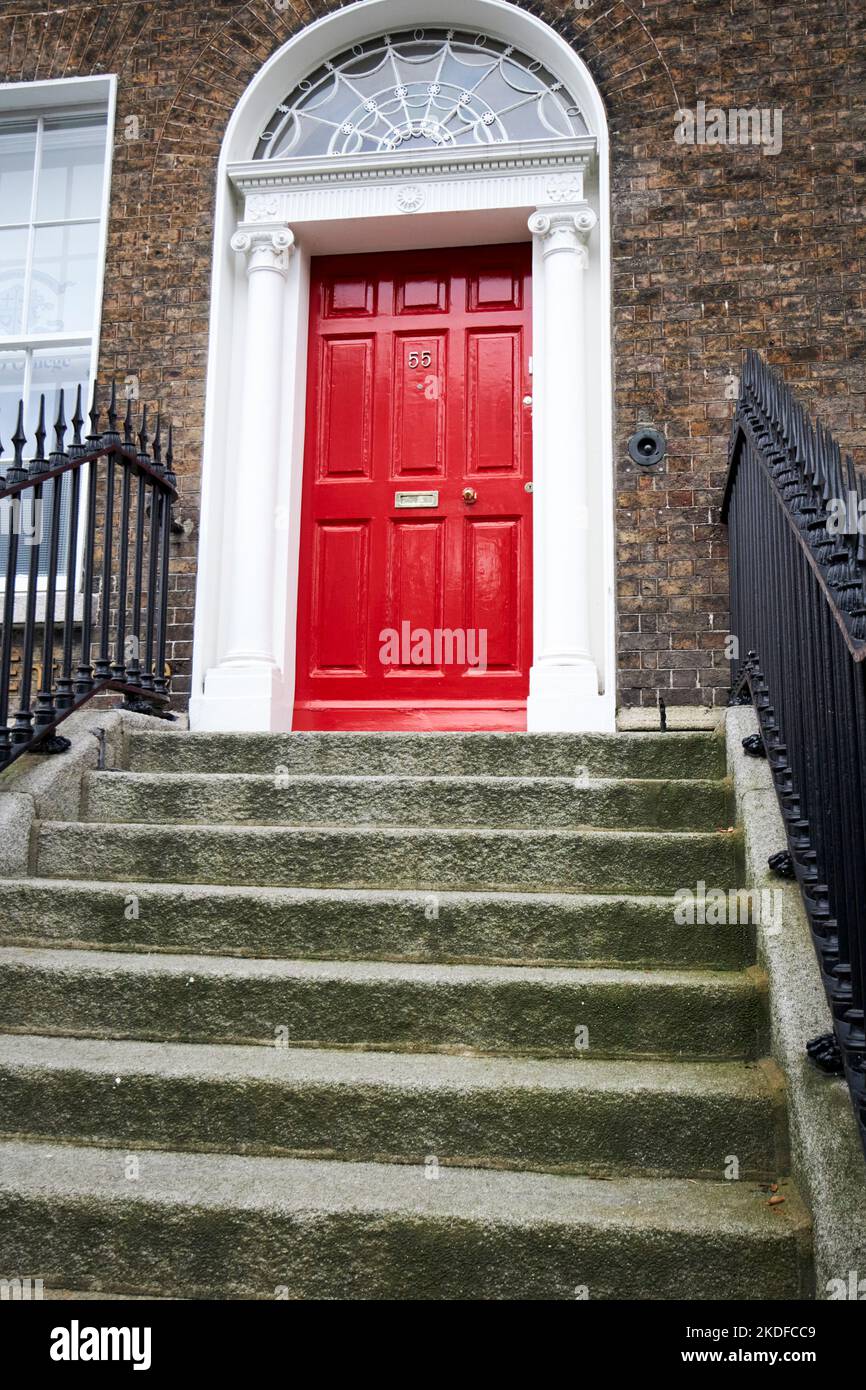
x: 563, y: 228
x: 265, y: 248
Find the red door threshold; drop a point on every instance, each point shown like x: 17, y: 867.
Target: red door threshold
x: 432, y: 715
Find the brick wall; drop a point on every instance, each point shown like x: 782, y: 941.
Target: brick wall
x: 715, y: 249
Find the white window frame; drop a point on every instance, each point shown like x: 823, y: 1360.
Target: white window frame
x: 38, y: 101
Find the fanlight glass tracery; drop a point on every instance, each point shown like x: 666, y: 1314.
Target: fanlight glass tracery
x: 419, y: 90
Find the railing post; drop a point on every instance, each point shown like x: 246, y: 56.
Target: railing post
x: 22, y: 729
x: 15, y: 473
x: 118, y: 669
x: 160, y: 683
x: 64, y: 695
x: 84, y: 677
x: 45, y: 712
x: 110, y: 441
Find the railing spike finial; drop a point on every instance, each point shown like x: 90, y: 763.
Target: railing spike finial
x: 814, y: 457
x: 128, y: 434
x: 826, y: 462
x: 143, y: 437
x: 17, y: 472
x: 19, y: 438
x: 794, y: 441
x: 77, y: 447
x: 828, y: 459
x: 810, y: 459
x: 93, y: 414
x: 813, y: 450
x: 836, y: 455
x: 58, y: 453
x: 860, y: 487
x: 850, y: 475
x: 758, y: 380
x: 788, y: 419
x: 169, y: 457
x: 851, y: 512
x: 157, y: 442
x: 39, y: 464
x: 800, y: 441
x: 111, y: 435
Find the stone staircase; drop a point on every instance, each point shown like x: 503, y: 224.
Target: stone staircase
x: 391, y: 1016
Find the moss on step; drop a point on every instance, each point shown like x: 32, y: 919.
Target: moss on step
x: 461, y: 755
x: 490, y: 1008
x: 232, y: 1226
x: 585, y: 861
x: 367, y: 924
x: 212, y: 799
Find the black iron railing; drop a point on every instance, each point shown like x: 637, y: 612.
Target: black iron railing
x: 796, y: 518
x: 86, y: 532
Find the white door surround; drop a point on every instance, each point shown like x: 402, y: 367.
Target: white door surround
x: 272, y: 217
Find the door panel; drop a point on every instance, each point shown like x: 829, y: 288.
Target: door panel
x: 340, y: 589
x: 493, y: 390
x: 416, y: 588
x: 348, y: 295
x: 495, y: 289
x: 417, y: 615
x: 492, y: 574
x: 420, y: 364
x: 420, y: 293
x: 346, y: 417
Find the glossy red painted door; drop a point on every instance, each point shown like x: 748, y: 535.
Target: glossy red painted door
x: 418, y: 615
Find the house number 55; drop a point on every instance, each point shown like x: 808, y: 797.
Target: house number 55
x: 422, y: 359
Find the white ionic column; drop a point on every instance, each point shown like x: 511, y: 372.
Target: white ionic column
x: 563, y: 689
x: 240, y: 691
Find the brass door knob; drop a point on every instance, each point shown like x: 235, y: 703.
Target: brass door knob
x: 469, y: 495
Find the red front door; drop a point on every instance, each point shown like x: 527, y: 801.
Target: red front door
x: 414, y: 595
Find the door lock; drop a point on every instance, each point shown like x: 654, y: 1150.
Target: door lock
x: 469, y: 496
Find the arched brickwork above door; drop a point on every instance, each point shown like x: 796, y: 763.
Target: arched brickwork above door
x: 208, y: 54
x: 615, y: 44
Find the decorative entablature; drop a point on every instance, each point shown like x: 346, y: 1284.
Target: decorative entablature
x: 304, y: 189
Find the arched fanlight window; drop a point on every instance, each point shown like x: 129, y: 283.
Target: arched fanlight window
x: 421, y: 89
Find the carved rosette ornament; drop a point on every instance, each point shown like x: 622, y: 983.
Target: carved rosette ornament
x: 266, y: 248
x: 410, y: 197
x: 564, y: 188
x: 262, y: 207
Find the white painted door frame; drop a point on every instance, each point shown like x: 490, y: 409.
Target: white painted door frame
x: 272, y: 217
